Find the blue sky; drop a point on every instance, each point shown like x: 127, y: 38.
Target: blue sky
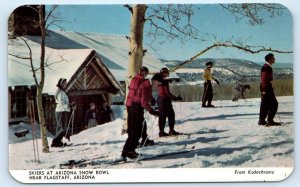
x: 208, y: 18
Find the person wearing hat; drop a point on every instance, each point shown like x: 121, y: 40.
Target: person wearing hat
x: 269, y: 103
x: 138, y: 99
x: 208, y: 90
x: 62, y: 112
x: 164, y: 101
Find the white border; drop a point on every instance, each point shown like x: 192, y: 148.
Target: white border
x: 187, y: 175
x: 8, y: 6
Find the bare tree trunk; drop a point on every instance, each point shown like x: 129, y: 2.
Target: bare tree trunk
x: 42, y: 120
x: 136, y: 39
x: 41, y: 84
x: 136, y: 46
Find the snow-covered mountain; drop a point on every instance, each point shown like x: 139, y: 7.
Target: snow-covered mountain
x: 223, y: 137
x: 228, y: 70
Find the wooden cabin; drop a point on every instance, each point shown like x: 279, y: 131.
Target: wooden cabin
x: 90, y: 81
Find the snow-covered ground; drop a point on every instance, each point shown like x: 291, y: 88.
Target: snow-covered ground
x: 223, y: 137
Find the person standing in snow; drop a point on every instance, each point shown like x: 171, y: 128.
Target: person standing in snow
x: 138, y: 99
x: 240, y: 91
x: 269, y: 104
x: 91, y: 116
x: 104, y: 113
x: 164, y: 101
x: 208, y: 89
x: 62, y: 112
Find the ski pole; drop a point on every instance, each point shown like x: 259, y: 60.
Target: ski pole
x: 33, y: 130
x: 112, y: 114
x: 71, y: 119
x: 279, y: 117
x: 37, y: 145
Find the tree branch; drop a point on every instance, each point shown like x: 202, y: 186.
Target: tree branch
x: 17, y: 56
x: 246, y: 48
x: 129, y: 8
x: 172, y: 21
x: 51, y: 11
x: 31, y: 61
x: 256, y: 12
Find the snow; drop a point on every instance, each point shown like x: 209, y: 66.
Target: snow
x: 64, y: 64
x: 189, y: 70
x: 224, y: 137
x: 72, y: 48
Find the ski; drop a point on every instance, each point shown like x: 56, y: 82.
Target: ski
x: 71, y: 164
x: 280, y: 124
x: 121, y: 160
x: 180, y: 134
x: 79, y: 163
x: 150, y: 157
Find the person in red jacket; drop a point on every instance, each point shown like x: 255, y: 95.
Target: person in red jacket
x: 138, y: 99
x: 164, y: 101
x: 269, y: 104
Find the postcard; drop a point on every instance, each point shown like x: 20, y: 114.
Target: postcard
x: 135, y: 93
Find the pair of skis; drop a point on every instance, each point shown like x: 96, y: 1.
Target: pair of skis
x: 138, y: 160
x: 94, y: 162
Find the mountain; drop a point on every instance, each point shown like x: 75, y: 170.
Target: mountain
x: 228, y: 70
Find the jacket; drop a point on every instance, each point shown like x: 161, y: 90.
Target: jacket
x: 140, y: 91
x: 266, y: 78
x: 62, y: 101
x: 207, y: 75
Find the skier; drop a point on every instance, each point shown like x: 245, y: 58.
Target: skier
x: 269, y: 104
x: 164, y: 101
x: 208, y: 90
x: 138, y: 99
x: 62, y: 111
x: 91, y: 117
x: 240, y: 91
x: 104, y: 113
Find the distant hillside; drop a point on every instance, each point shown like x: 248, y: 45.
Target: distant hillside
x: 280, y: 65
x: 227, y: 70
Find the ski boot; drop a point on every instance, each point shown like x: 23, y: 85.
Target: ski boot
x: 173, y: 133
x: 129, y: 154
x: 57, y: 144
x: 163, y: 134
x: 260, y: 122
x: 273, y: 123
x: 146, y: 142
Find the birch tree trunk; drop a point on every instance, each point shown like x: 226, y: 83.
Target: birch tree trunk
x: 136, y: 39
x: 136, y: 46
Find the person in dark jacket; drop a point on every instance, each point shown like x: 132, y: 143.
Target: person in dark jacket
x: 269, y: 104
x: 164, y: 101
x: 208, y: 89
x: 91, y: 117
x: 240, y: 88
x: 138, y: 99
x: 104, y: 113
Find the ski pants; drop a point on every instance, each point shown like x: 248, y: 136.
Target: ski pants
x: 268, y: 106
x: 136, y: 122
x: 165, y: 111
x: 61, y: 125
x: 207, y: 93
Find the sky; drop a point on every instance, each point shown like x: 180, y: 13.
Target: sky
x: 276, y: 33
